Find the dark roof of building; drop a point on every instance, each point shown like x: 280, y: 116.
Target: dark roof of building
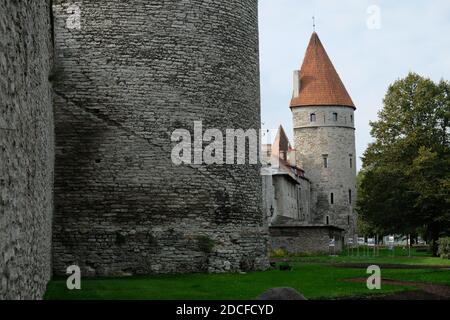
x: 320, y: 84
x: 280, y: 149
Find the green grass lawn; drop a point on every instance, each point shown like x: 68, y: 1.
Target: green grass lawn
x: 315, y: 277
x: 314, y: 281
x: 426, y: 276
x: 399, y: 256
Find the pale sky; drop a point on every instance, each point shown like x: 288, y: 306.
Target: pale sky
x: 414, y: 36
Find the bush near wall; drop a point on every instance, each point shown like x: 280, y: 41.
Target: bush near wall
x: 444, y: 248
x: 278, y: 253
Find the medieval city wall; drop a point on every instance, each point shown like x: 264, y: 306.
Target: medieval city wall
x: 128, y: 76
x: 26, y: 149
x: 301, y: 239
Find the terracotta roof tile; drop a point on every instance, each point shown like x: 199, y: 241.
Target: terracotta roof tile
x: 320, y: 84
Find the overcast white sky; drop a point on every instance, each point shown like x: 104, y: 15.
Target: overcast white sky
x: 413, y: 36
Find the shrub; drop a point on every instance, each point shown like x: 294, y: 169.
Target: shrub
x: 279, y: 253
x: 205, y: 244
x: 308, y: 254
x: 284, y: 266
x: 422, y: 249
x: 444, y: 248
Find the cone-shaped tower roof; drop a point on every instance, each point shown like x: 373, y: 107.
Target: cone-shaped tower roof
x: 320, y: 84
x: 281, y: 144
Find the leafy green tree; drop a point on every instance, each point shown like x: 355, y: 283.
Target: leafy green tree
x: 405, y: 183
x: 366, y: 227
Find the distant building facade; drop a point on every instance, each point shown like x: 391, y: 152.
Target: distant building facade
x: 286, y: 189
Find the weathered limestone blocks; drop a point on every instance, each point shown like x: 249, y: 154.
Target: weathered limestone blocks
x: 129, y: 75
x: 26, y: 149
x: 333, y: 139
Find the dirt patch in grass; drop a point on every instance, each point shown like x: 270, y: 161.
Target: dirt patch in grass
x: 388, y: 266
x: 426, y: 291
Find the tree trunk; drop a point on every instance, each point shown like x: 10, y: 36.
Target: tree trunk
x: 434, y: 236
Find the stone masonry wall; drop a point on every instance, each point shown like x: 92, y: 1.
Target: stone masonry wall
x: 26, y: 149
x: 336, y: 139
x: 286, y: 195
x: 268, y: 196
x: 305, y: 239
x: 129, y: 74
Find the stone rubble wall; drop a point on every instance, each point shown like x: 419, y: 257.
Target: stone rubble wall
x: 128, y: 76
x: 310, y: 240
x: 26, y: 149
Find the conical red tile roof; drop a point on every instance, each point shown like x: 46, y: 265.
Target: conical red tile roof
x: 320, y: 84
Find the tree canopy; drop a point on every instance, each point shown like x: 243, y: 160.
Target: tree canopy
x: 404, y: 185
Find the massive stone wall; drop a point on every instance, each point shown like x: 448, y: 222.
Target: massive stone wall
x: 26, y: 149
x: 335, y: 139
x: 129, y: 73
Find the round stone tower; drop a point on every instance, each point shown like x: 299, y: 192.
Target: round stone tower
x: 128, y: 75
x: 324, y: 133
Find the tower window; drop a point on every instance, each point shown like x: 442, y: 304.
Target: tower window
x: 351, y: 118
x: 335, y: 116
x: 351, y: 162
x: 325, y: 161
x: 350, y: 196
x: 328, y: 220
x: 313, y: 117
x: 332, y: 198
